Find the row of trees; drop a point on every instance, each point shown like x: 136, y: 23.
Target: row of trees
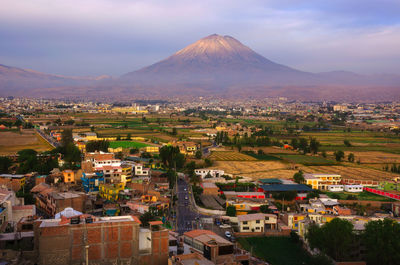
x: 101, y: 145
x: 394, y: 168
x: 305, y: 145
x: 337, y: 239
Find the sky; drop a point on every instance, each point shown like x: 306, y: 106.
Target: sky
x: 96, y: 37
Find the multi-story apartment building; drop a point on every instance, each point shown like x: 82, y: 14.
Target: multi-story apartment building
x: 322, y: 181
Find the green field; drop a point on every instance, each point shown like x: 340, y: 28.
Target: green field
x: 264, y: 157
x: 307, y: 160
x: 127, y: 144
x: 362, y: 196
x: 276, y: 250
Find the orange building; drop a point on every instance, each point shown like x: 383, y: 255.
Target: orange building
x: 69, y: 176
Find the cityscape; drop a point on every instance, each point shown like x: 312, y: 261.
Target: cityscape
x: 215, y: 154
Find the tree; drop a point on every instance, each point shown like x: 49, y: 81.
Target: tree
x: 171, y: 156
x: 298, y: 177
x: 351, y: 157
x: 314, y: 145
x: 303, y: 145
x: 208, y: 162
x: 119, y: 155
x: 295, y: 143
x: 5, y: 163
x: 133, y: 151
x: 324, y: 155
x: 265, y: 208
x: 195, y: 179
x: 174, y: 131
x: 129, y: 137
x: 198, y: 154
x: 146, y: 218
x: 118, y: 137
x: 347, y: 143
x: 66, y: 137
x: 231, y: 211
x: 239, y: 147
x: 93, y: 146
x: 335, y: 238
x: 339, y: 155
x: 313, y: 194
x: 382, y: 242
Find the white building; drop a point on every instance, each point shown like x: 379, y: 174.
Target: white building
x: 353, y: 188
x: 214, y: 173
x: 335, y: 188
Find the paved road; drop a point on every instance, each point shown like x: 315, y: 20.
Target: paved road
x: 187, y: 216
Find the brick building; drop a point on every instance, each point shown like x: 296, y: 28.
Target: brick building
x: 13, y: 182
x: 103, y: 240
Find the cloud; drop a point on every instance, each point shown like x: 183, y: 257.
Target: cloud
x: 83, y: 37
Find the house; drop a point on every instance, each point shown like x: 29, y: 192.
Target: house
x: 152, y: 149
x: 210, y: 188
x: 50, y: 201
x: 212, y: 246
x: 322, y: 181
x: 205, y: 172
x: 69, y: 176
x: 92, y: 181
x: 292, y: 219
x: 257, y: 222
x: 285, y: 187
x: 13, y: 182
x: 111, y: 191
x: 244, y: 205
x: 353, y: 188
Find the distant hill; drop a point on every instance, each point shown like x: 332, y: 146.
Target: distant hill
x: 17, y: 81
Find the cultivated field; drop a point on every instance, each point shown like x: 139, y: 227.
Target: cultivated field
x: 256, y: 169
x: 127, y: 144
x: 351, y: 172
x: 230, y: 156
x: 12, y: 142
x: 375, y: 157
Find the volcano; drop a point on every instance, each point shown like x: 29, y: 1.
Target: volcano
x: 217, y: 61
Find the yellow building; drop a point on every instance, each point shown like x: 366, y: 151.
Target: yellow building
x: 111, y: 191
x: 293, y: 219
x: 69, y: 176
x: 152, y: 149
x: 126, y: 175
x: 322, y: 181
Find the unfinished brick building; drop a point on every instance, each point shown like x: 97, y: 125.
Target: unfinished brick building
x: 104, y: 240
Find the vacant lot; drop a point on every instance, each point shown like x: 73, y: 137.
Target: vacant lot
x: 276, y: 250
x: 12, y: 142
x: 256, y: 169
x: 230, y: 156
x: 127, y: 144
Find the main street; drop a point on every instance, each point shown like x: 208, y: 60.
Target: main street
x: 187, y: 216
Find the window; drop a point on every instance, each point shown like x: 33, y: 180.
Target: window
x: 245, y: 222
x: 258, y: 221
x: 245, y: 228
x: 257, y: 228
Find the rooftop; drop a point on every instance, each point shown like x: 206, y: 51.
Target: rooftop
x: 285, y: 187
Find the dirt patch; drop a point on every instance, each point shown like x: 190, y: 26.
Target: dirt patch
x: 12, y: 142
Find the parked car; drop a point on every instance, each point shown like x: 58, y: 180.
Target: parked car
x: 228, y: 234
x: 186, y: 197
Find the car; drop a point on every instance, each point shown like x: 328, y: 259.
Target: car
x: 228, y: 234
x: 185, y: 189
x: 225, y: 226
x: 186, y: 198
